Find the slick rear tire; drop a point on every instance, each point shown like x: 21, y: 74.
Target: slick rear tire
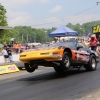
x: 30, y: 67
x: 92, y: 64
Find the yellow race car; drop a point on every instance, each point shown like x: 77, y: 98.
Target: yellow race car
x: 60, y: 56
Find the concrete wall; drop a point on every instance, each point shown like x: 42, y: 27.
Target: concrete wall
x: 15, y: 58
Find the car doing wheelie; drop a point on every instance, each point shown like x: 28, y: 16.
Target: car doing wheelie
x: 60, y: 56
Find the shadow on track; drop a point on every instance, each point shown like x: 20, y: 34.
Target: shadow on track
x: 52, y: 75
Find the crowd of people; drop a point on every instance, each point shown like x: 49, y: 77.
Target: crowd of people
x: 7, y: 53
x: 9, y: 49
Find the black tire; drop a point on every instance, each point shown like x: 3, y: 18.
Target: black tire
x: 30, y: 67
x: 58, y: 69
x: 92, y: 64
x: 65, y: 63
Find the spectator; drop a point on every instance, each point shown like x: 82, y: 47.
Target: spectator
x: 99, y: 39
x: 10, y: 55
x: 22, y: 48
x: 16, y: 47
x: 56, y: 40
x: 33, y: 46
x: 93, y: 42
x: 63, y: 40
x: 98, y: 49
x: 83, y: 41
x: 8, y: 45
x: 49, y: 44
x: 27, y: 47
x: 11, y: 43
x: 5, y: 45
x: 5, y: 54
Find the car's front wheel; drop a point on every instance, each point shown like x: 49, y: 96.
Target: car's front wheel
x: 92, y: 64
x: 65, y: 63
x: 58, y: 69
x: 30, y: 67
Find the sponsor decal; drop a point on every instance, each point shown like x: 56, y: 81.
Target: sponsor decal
x: 57, y: 56
x: 11, y: 68
x: 81, y: 52
x: 82, y: 58
x: 2, y: 69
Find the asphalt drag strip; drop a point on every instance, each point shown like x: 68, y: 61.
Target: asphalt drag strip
x: 46, y: 84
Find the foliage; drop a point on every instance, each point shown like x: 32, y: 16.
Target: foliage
x: 4, y: 34
x: 24, y: 34
x: 3, y: 21
x: 85, y: 28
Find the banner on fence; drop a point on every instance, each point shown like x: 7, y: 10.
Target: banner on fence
x: 8, y: 69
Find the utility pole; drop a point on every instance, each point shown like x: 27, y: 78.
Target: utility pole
x: 27, y: 37
x: 46, y: 36
x: 98, y: 3
x: 22, y: 37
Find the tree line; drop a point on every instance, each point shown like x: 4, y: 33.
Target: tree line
x: 24, y: 34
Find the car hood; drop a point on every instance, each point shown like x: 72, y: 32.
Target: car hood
x: 39, y: 50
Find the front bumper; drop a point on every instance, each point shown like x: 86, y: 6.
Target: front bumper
x: 40, y: 56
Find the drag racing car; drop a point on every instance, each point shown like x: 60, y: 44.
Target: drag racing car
x: 61, y: 56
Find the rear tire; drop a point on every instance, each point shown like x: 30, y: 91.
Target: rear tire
x: 92, y: 64
x: 30, y: 67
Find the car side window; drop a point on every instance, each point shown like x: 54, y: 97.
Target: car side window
x: 78, y: 44
x: 82, y: 45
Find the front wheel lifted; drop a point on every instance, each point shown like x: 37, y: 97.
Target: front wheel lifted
x: 92, y: 64
x: 58, y: 69
x: 30, y: 67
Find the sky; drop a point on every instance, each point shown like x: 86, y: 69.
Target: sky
x: 50, y: 13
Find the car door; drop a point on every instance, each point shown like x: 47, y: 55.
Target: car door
x: 82, y: 53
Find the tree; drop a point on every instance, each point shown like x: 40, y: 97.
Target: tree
x: 4, y: 34
x: 3, y: 18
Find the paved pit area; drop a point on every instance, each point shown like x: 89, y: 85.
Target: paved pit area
x: 92, y: 96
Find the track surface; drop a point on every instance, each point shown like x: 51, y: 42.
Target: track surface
x: 46, y: 84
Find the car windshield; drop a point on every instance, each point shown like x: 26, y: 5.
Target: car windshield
x: 69, y: 44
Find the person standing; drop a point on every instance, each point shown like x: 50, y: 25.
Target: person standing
x: 93, y: 42
x: 16, y: 46
x: 63, y: 40
x: 27, y: 47
x: 56, y: 40
x: 10, y: 55
x: 5, y: 54
x: 22, y: 48
x: 98, y: 49
x: 99, y: 39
